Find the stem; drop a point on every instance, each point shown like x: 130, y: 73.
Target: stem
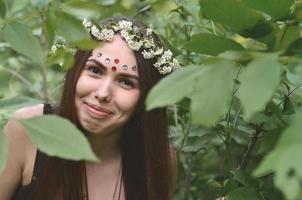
x: 232, y: 101
x: 44, y: 46
x: 188, y: 179
x: 175, y: 115
x: 286, y: 97
x: 19, y: 76
x: 213, y: 27
x: 250, y: 147
x: 18, y: 18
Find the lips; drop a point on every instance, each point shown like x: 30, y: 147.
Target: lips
x: 97, y: 111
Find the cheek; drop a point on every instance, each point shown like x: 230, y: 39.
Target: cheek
x: 128, y: 102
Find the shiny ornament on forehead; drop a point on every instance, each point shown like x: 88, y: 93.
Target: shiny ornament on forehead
x: 125, y: 67
x: 113, y: 68
x: 134, y: 67
x: 107, y: 60
x: 99, y: 55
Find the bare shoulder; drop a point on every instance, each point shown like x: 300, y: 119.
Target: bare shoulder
x: 19, y: 144
x: 29, y: 111
x: 14, y: 131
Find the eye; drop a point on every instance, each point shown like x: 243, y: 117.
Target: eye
x: 127, y: 83
x: 94, y: 70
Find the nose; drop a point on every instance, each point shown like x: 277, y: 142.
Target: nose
x: 103, y: 93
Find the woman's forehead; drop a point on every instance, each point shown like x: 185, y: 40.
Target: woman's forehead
x: 116, y: 54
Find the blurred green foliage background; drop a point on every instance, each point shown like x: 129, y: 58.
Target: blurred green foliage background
x: 234, y: 109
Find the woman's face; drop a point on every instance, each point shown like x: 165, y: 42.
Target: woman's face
x: 107, y: 91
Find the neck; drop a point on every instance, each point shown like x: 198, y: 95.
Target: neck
x: 106, y: 147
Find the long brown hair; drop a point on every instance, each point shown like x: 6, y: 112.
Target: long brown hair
x: 145, y: 148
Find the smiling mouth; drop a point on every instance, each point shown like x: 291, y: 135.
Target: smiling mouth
x: 97, y: 112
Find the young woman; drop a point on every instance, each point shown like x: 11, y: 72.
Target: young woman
x: 103, y: 95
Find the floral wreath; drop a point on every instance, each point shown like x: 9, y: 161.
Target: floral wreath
x: 136, y: 39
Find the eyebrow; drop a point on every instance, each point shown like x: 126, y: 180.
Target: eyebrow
x: 105, y: 68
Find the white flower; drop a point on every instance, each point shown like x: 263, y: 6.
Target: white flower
x: 95, y: 32
x: 135, y: 45
x: 87, y: 24
x: 135, y: 29
x: 167, y: 55
x: 149, y: 31
x: 125, y: 34
x: 158, y: 51
x: 148, y: 55
x: 54, y: 48
x: 174, y: 64
x: 157, y: 65
x: 148, y: 43
x: 166, y: 69
x: 107, y: 34
x: 125, y: 25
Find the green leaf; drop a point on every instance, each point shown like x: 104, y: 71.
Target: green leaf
x: 182, y: 82
x: 245, y: 193
x: 243, y: 178
x: 259, y: 82
x: 286, y: 36
x: 2, y: 9
x: 233, y: 13
x: 289, y: 172
x: 296, y: 47
x: 205, y: 43
x: 58, y: 137
x: 83, y: 9
x: 70, y: 27
x: 40, y: 3
x: 87, y: 44
x: 285, y: 160
x: 50, y: 26
x: 17, y: 102
x: 278, y: 9
x: 269, y: 140
x: 21, y: 39
x: 3, y: 149
x: 267, y: 165
x: 212, y: 92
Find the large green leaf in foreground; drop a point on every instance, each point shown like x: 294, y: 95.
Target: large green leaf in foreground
x: 58, y: 137
x: 208, y: 86
x: 259, y: 82
x: 233, y: 13
x: 286, y: 161
x: 21, y: 39
x: 173, y: 88
x: 276, y: 8
x: 212, y: 93
x: 3, y: 149
x: 245, y: 193
x: 205, y: 43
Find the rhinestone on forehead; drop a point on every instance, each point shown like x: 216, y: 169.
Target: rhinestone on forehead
x: 125, y: 67
x: 116, y: 61
x: 99, y: 55
x: 107, y: 60
x: 113, y: 68
x: 134, y: 68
